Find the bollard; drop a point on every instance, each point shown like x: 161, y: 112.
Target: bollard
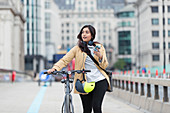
x: 137, y: 73
x: 121, y: 73
x: 143, y: 73
x: 149, y: 73
x: 164, y: 74
x: 128, y: 73
x: 156, y: 73
x: 132, y: 73
x: 124, y: 73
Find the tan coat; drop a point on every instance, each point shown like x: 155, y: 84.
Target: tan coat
x: 80, y: 58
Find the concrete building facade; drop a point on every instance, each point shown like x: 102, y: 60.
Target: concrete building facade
x: 11, y: 35
x: 154, y: 32
x: 52, y: 30
x: 86, y: 12
x: 34, y: 35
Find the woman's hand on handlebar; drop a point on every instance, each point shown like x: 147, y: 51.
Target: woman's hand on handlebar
x: 50, y: 71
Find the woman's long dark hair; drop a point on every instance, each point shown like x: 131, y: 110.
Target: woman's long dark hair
x: 80, y: 41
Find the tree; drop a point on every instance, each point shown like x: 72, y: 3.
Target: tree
x: 120, y: 64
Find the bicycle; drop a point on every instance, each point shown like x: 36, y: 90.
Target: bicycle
x: 67, y: 106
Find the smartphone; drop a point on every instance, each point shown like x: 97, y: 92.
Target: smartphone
x: 96, y: 47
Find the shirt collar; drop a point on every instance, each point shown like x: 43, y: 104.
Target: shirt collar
x: 90, y: 47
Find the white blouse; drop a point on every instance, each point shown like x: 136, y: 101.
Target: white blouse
x: 95, y: 75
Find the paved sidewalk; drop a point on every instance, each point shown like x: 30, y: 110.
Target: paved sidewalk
x: 18, y: 97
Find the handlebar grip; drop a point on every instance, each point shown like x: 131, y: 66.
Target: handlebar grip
x: 45, y: 73
x: 87, y: 70
x: 49, y: 73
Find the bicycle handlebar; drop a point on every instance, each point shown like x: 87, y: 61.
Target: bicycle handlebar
x: 69, y: 72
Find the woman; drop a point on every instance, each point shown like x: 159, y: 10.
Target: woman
x: 92, y: 100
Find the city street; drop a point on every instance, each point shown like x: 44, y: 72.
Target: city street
x: 28, y: 97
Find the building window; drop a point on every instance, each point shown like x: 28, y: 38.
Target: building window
x: 155, y: 57
x: 28, y: 12
x: 62, y: 46
x: 125, y: 14
x: 85, y: 9
x: 62, y: 37
x: 168, y: 33
x: 68, y: 46
x: 154, y: 9
x: 47, y: 36
x: 168, y: 45
x: 67, y: 24
x: 62, y: 25
x: 92, y: 9
x: 79, y: 8
x: 155, y: 21
x: 27, y: 2
x: 124, y: 42
x: 154, y: 0
x: 28, y: 25
x: 164, y: 33
x: 168, y: 21
x: 168, y: 8
x: 47, y: 16
x: 104, y: 37
x: 155, y: 45
x: 68, y: 38
x: 109, y: 37
x: 47, y: 25
x: 47, y: 5
x: 155, y: 33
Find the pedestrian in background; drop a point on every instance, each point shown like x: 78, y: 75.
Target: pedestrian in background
x: 80, y: 52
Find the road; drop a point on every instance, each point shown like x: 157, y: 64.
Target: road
x: 28, y: 97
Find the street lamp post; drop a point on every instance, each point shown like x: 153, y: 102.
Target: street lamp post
x: 163, y: 14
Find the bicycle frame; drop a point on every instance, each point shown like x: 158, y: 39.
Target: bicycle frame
x: 67, y: 104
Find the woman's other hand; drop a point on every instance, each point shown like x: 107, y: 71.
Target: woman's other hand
x: 97, y: 53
